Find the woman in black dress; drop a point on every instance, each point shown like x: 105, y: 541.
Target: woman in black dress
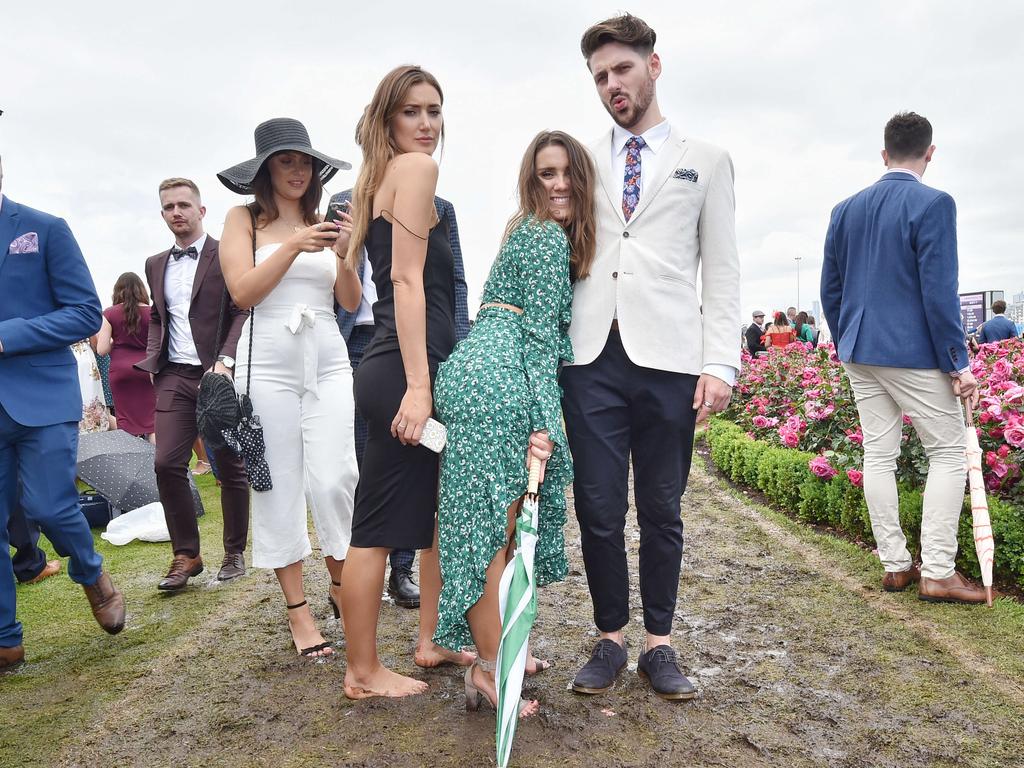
x: 413, y: 270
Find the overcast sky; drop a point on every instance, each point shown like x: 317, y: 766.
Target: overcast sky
x: 103, y: 100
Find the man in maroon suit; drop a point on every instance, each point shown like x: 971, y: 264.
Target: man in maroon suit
x: 187, y: 289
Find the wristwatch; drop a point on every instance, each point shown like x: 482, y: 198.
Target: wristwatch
x: 227, y: 362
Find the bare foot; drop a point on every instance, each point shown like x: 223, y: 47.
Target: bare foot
x: 432, y: 655
x: 535, y: 666
x: 485, y: 683
x: 306, y: 635
x: 381, y: 682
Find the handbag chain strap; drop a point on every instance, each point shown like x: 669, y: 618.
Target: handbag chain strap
x: 252, y: 309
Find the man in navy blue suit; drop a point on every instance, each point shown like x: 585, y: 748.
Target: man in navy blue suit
x: 999, y: 327
x: 357, y: 329
x: 889, y: 292
x: 47, y: 301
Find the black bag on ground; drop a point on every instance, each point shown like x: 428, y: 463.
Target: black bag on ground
x: 96, y: 509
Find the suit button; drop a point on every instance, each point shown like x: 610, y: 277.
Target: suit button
x: 625, y: 234
x: 615, y: 274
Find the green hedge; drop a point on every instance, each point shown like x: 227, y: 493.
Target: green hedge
x: 783, y: 476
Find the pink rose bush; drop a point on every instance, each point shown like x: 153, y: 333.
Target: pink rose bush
x: 799, y: 397
x: 821, y: 468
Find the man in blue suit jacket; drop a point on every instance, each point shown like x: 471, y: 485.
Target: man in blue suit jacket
x: 889, y: 292
x: 999, y: 327
x: 47, y: 301
x: 357, y: 329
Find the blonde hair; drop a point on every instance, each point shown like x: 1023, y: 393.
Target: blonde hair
x: 581, y: 229
x: 373, y: 134
x: 177, y: 181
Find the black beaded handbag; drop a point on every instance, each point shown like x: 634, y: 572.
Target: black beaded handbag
x: 249, y: 432
x: 217, y: 410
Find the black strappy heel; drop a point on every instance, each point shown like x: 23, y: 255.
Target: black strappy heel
x: 330, y: 599
x: 308, y: 652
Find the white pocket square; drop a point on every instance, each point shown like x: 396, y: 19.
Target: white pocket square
x: 27, y: 243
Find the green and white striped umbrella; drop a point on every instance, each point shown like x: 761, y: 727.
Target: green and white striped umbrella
x: 517, y: 596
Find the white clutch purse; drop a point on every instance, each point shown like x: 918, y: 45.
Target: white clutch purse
x: 434, y: 436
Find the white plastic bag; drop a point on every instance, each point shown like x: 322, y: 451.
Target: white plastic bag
x: 145, y: 524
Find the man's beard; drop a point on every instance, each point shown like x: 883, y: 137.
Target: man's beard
x: 643, y: 101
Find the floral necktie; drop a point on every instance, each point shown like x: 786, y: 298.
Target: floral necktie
x: 631, y: 181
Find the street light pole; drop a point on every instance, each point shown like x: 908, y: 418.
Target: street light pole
x: 797, y: 260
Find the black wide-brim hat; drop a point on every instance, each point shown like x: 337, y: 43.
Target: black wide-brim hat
x: 280, y: 134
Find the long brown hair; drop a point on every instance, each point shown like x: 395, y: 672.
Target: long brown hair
x: 373, y: 134
x: 130, y: 292
x: 581, y: 229
x: 266, y: 206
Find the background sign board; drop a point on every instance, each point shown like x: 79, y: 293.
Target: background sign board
x: 972, y: 310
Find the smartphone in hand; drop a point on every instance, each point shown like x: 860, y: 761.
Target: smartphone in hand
x: 334, y: 211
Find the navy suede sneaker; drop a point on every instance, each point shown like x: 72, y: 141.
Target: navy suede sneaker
x: 660, y: 668
x: 598, y: 675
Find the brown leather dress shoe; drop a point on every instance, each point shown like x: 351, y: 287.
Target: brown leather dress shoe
x: 955, y: 589
x: 52, y: 568
x: 182, y: 569
x: 107, y: 603
x: 897, y: 581
x: 232, y: 567
x: 11, y: 657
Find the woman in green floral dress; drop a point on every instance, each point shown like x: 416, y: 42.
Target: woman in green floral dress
x: 498, y: 392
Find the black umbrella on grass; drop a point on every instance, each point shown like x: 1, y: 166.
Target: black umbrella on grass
x: 120, y: 467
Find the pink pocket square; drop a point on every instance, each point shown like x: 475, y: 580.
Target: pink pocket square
x: 27, y: 243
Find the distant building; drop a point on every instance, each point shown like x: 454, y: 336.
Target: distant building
x: 1015, y: 311
x: 816, y: 311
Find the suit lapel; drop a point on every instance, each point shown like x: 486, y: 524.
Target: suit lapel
x: 159, y: 289
x: 8, y: 226
x: 612, y: 186
x: 205, y: 261
x: 672, y: 152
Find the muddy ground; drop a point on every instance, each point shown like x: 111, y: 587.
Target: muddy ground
x: 799, y: 662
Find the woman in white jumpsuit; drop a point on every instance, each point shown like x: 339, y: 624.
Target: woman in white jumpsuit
x: 277, y: 258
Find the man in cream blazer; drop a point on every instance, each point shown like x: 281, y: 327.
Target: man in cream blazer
x: 653, y: 357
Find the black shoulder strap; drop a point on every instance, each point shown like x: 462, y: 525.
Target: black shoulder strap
x: 252, y: 310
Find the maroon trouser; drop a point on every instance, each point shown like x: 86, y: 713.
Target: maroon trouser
x: 177, y: 387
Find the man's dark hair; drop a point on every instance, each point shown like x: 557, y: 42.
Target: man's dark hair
x: 626, y: 29
x: 998, y: 306
x: 907, y: 136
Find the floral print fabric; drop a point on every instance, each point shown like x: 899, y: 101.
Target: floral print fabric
x: 631, y: 180
x: 94, y: 405
x: 499, y: 385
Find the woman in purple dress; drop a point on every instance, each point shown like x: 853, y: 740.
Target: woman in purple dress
x: 123, y: 336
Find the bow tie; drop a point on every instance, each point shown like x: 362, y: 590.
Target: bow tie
x: 191, y: 252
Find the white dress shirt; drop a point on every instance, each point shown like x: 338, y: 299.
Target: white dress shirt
x: 179, y: 278
x: 654, y: 139
x: 364, y: 315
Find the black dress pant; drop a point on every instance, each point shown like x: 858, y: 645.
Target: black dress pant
x: 614, y: 409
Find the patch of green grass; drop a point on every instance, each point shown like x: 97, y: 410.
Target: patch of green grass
x: 73, y: 667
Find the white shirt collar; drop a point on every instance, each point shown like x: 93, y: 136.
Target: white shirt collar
x: 905, y: 170
x: 654, y: 137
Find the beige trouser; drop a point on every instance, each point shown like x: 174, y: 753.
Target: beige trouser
x: 883, y: 395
